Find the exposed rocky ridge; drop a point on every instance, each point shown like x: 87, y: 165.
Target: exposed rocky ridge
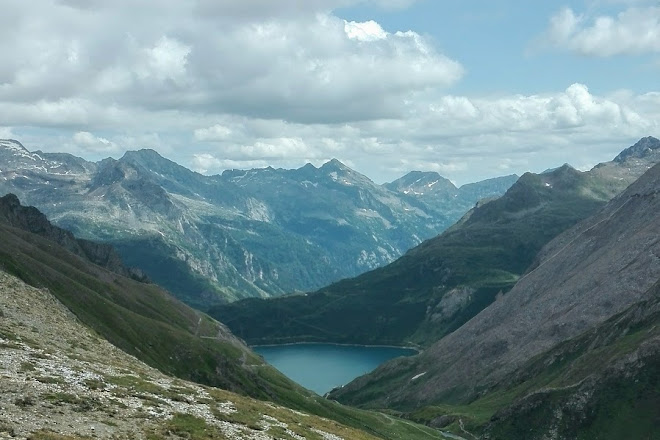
x: 59, y: 378
x: 644, y: 148
x: 583, y: 277
x: 30, y: 219
x: 211, y: 239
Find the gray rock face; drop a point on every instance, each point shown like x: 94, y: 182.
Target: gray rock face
x: 583, y: 277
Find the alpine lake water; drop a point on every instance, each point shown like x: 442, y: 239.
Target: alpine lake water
x: 322, y: 367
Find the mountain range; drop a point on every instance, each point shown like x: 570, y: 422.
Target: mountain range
x: 442, y: 283
x: 262, y: 232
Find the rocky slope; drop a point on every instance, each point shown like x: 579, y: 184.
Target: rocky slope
x: 60, y: 380
x: 600, y: 384
x: 140, y: 318
x: 212, y: 239
x: 597, y: 269
x: 442, y: 283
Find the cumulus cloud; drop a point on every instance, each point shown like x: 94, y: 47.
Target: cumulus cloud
x: 198, y: 57
x: 633, y: 31
x: 458, y: 136
x: 215, y: 133
x: 88, y: 142
x: 366, y: 31
x: 207, y: 163
x: 166, y: 60
x: 6, y: 133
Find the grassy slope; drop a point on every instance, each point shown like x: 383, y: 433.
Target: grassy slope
x: 402, y: 303
x: 145, y: 321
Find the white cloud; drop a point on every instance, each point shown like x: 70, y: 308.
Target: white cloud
x: 631, y: 32
x: 284, y: 147
x: 458, y: 136
x: 207, y: 163
x: 215, y: 133
x: 365, y: 31
x: 86, y: 141
x: 194, y: 57
x: 6, y: 133
x: 166, y: 60
x: 250, y: 83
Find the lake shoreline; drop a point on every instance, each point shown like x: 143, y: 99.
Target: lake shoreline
x: 322, y: 367
x: 417, y: 349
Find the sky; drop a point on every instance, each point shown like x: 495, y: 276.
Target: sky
x: 471, y: 89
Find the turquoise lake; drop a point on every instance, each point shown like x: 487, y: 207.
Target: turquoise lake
x: 322, y: 367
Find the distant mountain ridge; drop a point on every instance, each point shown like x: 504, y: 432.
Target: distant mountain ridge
x: 444, y: 197
x: 436, y: 286
x: 211, y: 239
x: 442, y: 283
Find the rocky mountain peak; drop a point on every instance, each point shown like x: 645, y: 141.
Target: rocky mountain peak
x: 334, y: 163
x: 109, y: 171
x: 422, y: 182
x: 151, y: 160
x: 13, y: 152
x: 143, y: 156
x: 642, y: 148
x: 308, y: 167
x: 14, y: 145
x: 9, y: 203
x: 339, y: 172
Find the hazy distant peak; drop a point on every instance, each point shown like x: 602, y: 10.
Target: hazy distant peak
x: 334, y: 165
x: 307, y: 167
x: 507, y: 180
x: 144, y: 152
x: 552, y: 170
x: 145, y: 155
x: 422, y: 177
